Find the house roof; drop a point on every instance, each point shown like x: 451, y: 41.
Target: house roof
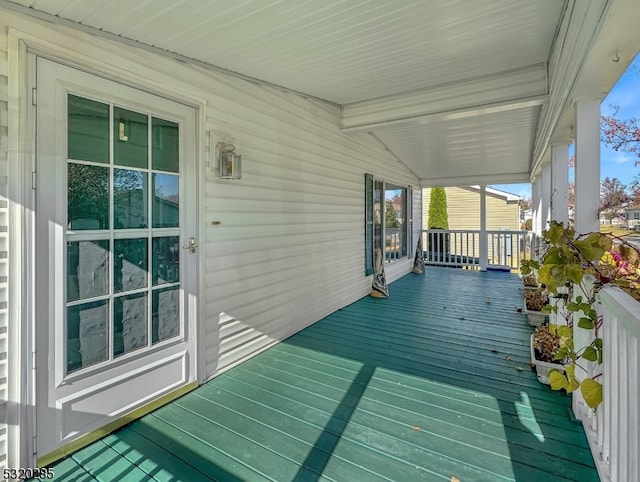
x: 460, y: 91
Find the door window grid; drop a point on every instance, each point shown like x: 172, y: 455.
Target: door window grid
x: 158, y: 292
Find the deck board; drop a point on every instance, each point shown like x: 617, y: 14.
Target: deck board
x: 428, y: 384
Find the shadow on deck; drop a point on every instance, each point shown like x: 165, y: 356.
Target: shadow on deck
x: 432, y: 383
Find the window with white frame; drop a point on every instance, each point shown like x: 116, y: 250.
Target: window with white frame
x: 387, y: 221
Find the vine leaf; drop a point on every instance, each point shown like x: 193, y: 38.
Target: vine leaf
x: 591, y: 392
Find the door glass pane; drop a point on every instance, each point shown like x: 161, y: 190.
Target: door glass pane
x: 87, y: 326
x: 129, y: 199
x: 88, y: 197
x: 131, y: 135
x: 165, y: 145
x: 129, y: 264
x: 87, y: 269
x: 112, y: 298
x: 87, y: 130
x: 166, y: 260
x: 129, y: 323
x: 166, y: 201
x: 166, y: 314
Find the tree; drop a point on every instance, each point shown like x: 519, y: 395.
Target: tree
x: 438, y: 218
x: 634, y: 189
x: 613, y: 197
x: 621, y: 134
x: 525, y: 204
x: 391, y: 220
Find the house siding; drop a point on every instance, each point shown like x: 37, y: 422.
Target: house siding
x: 4, y: 242
x: 289, y: 246
x: 463, y: 209
x: 280, y: 248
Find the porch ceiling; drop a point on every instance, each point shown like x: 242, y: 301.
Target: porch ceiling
x: 456, y: 89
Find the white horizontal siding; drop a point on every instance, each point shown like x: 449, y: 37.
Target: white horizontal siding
x: 463, y: 209
x: 4, y: 241
x: 289, y: 246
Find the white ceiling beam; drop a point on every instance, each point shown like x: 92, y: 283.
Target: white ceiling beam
x: 578, y: 31
x: 507, y: 178
x: 504, y: 91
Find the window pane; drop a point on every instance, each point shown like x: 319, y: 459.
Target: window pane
x: 88, y: 202
x: 87, y: 334
x: 165, y: 143
x: 166, y: 260
x: 88, y: 130
x: 166, y: 201
x: 129, y: 199
x: 130, y: 138
x: 129, y: 264
x: 87, y: 269
x: 166, y: 314
x: 395, y: 222
x: 129, y: 323
x: 377, y: 216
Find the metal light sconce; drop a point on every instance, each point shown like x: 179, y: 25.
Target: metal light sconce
x: 228, y: 161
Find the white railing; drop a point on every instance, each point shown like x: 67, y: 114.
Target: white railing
x: 461, y: 247
x: 613, y: 429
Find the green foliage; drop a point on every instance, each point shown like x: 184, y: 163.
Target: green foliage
x: 438, y: 218
x: 391, y: 220
x: 563, y: 267
x: 591, y: 392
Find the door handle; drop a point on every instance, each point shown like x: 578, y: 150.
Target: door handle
x: 191, y: 246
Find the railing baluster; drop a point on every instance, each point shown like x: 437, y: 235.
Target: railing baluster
x: 459, y: 247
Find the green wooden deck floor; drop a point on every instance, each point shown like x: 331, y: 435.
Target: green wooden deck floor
x: 432, y: 383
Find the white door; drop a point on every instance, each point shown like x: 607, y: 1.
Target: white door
x: 116, y: 251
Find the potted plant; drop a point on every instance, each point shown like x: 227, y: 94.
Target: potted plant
x: 535, y: 302
x: 574, y: 267
x: 530, y: 282
x: 545, y: 347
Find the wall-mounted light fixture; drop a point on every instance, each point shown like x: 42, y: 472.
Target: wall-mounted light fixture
x: 228, y: 161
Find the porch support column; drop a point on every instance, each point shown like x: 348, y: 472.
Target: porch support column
x: 536, y: 206
x: 545, y: 197
x: 484, y: 245
x: 587, y: 170
x: 560, y: 182
x: 587, y: 202
x: 535, y: 216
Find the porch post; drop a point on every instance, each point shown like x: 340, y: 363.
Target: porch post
x: 587, y: 170
x: 484, y: 245
x: 545, y: 196
x: 560, y: 182
x: 587, y: 202
x: 535, y: 217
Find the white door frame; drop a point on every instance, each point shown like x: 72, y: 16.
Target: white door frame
x: 194, y: 293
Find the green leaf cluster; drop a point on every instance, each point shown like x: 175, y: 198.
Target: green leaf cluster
x: 438, y: 217
x: 567, y: 259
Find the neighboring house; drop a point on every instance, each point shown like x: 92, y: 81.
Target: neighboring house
x: 463, y: 208
x: 617, y: 219
x: 633, y: 217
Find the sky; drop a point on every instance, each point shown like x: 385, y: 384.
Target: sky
x: 625, y: 96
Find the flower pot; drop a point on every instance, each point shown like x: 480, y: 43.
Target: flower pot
x: 534, y: 301
x: 543, y: 368
x: 535, y: 318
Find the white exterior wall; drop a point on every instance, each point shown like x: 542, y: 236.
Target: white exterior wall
x: 289, y: 249
x: 289, y: 246
x: 4, y: 245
